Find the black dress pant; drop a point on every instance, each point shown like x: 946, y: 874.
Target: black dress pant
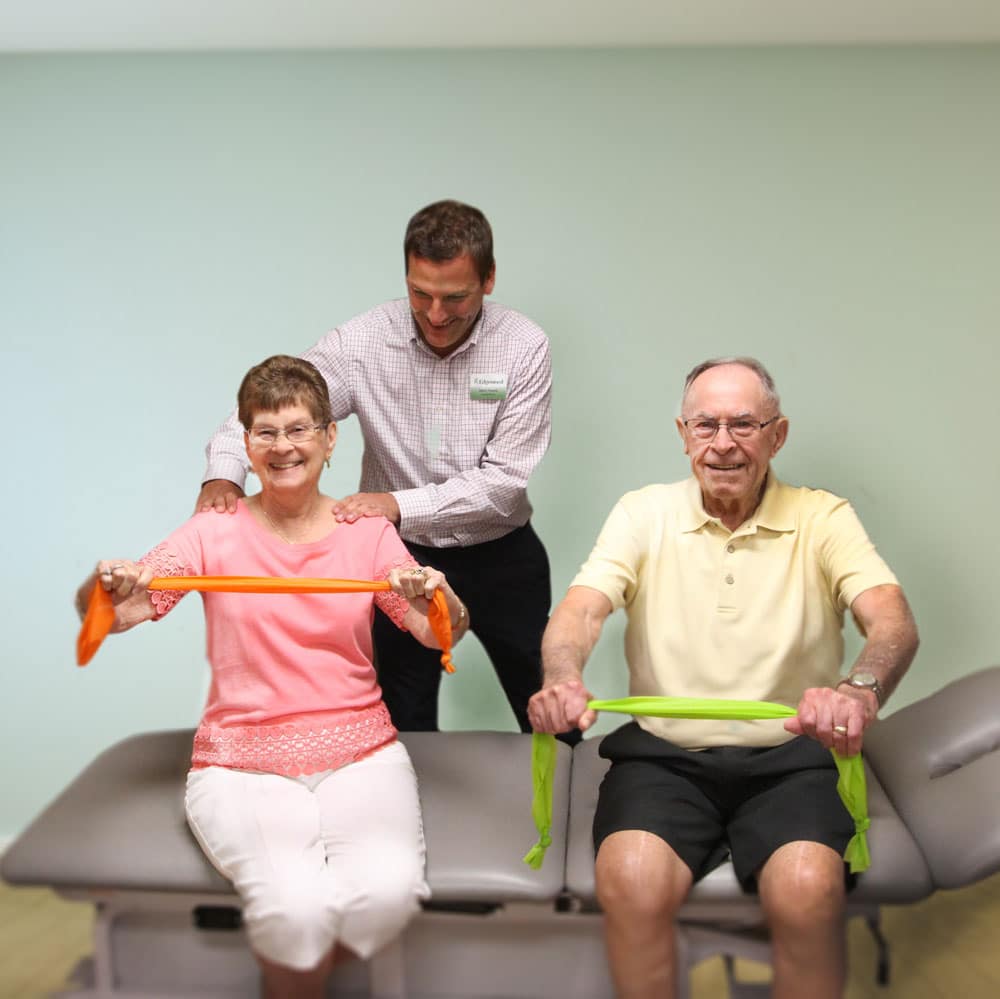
x: 505, y: 584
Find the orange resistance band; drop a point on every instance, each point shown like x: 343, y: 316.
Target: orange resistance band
x: 101, y: 612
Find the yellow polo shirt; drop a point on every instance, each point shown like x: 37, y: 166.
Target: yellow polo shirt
x: 755, y: 614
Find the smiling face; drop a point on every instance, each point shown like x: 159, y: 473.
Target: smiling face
x: 731, y: 471
x: 283, y: 467
x: 446, y: 298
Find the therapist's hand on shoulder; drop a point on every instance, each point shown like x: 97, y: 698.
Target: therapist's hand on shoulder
x: 219, y: 495
x: 560, y: 707
x: 350, y: 508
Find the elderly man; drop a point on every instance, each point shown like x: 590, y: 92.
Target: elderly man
x: 453, y: 394
x: 735, y: 586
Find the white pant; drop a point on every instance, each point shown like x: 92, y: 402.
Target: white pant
x: 336, y: 857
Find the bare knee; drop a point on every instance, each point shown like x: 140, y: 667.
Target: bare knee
x: 638, y: 876
x: 282, y: 982
x: 802, y: 884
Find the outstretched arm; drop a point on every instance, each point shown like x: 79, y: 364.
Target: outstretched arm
x: 891, y: 638
x: 891, y: 641
x: 572, y: 633
x: 417, y: 585
x: 127, y: 583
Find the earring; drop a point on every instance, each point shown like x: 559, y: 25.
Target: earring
x: 327, y: 461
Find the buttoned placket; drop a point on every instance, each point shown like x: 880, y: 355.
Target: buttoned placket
x: 730, y: 566
x: 443, y: 372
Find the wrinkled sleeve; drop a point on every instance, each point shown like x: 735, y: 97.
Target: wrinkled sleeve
x: 391, y: 553
x: 331, y: 362
x: 226, y: 457
x: 180, y: 555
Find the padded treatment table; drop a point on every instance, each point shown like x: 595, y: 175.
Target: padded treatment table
x: 168, y: 925
x: 167, y: 922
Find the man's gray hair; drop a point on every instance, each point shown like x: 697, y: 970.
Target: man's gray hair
x: 770, y: 392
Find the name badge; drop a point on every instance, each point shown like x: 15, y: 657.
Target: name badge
x: 488, y: 386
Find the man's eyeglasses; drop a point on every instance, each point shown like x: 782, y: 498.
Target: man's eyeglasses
x: 268, y: 436
x: 705, y: 430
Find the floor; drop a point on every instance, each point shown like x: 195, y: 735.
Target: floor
x: 947, y: 947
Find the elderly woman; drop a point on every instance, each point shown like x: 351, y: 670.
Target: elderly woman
x: 298, y: 792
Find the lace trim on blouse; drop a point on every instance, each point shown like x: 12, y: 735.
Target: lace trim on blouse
x: 165, y: 563
x: 293, y: 749
x: 392, y: 603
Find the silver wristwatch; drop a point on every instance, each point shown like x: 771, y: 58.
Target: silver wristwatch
x: 863, y: 680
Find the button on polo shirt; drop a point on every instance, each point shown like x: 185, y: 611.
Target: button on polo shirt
x: 756, y: 613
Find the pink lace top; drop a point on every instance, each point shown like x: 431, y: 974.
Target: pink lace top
x: 293, y: 686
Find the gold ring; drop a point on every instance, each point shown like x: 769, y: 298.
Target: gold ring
x: 841, y: 729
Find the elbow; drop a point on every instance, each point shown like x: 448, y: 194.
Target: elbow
x: 912, y: 633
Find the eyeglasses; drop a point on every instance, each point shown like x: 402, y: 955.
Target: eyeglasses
x: 705, y: 430
x: 268, y: 436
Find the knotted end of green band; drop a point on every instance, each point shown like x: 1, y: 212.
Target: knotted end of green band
x: 543, y: 768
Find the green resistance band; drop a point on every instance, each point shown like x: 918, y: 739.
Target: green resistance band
x: 850, y: 782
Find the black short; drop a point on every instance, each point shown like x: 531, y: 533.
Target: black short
x: 729, y: 801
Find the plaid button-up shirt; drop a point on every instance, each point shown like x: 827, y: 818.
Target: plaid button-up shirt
x: 437, y: 434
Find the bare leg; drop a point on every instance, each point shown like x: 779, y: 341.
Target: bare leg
x: 641, y: 883
x: 281, y: 982
x: 802, y: 893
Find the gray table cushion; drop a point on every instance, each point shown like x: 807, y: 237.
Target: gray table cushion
x: 898, y: 872
x: 121, y: 823
x: 939, y: 761
x: 475, y: 788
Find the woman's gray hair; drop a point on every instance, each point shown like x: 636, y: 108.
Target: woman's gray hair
x: 770, y: 392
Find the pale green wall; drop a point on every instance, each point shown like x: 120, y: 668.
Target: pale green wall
x: 166, y: 221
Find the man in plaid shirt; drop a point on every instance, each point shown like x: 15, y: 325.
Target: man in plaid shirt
x: 453, y: 394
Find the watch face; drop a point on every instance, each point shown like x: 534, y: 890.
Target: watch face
x: 863, y: 680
